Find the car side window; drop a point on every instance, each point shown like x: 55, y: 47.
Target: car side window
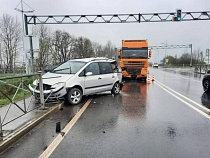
x: 105, y: 68
x: 82, y: 74
x: 94, y: 68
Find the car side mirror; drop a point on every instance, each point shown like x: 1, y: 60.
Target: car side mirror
x: 88, y: 74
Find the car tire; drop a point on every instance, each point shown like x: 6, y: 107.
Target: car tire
x: 206, y: 85
x: 116, y: 88
x: 74, y: 96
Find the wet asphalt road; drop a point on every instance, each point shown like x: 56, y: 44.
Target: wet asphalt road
x: 167, y: 118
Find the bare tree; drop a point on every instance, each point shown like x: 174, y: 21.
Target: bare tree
x: 83, y: 48
x: 44, y: 55
x: 197, y: 56
x: 10, y: 33
x: 109, y: 50
x: 98, y: 49
x: 62, y: 46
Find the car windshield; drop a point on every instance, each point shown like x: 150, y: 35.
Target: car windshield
x: 135, y: 53
x: 69, y: 67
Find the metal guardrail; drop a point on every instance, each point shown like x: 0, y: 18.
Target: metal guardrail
x: 14, y: 71
x: 24, y: 107
x: 201, y: 69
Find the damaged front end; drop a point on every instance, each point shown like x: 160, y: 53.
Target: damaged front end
x: 55, y: 92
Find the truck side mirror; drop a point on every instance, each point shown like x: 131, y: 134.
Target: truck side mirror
x: 150, y: 53
x: 119, y: 54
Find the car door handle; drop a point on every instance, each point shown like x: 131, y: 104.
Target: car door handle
x: 99, y: 78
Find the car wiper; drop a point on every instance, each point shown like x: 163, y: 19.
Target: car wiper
x: 61, y: 69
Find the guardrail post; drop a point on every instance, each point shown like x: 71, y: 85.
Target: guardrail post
x: 1, y: 131
x: 200, y: 69
x: 41, y: 90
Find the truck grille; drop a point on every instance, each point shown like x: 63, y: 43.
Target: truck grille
x: 133, y: 71
x: 134, y: 64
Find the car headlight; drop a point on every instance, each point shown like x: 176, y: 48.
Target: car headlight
x: 35, y: 83
x: 58, y: 85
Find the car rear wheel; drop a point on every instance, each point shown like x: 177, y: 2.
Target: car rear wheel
x: 116, y: 88
x: 206, y: 85
x: 74, y: 96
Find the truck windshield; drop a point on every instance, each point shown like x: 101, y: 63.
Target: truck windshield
x: 69, y: 67
x: 135, y: 53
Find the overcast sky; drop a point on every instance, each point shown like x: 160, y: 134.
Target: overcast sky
x: 196, y: 33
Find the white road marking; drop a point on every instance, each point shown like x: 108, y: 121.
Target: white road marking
x: 64, y: 132
x: 188, y: 104
x: 199, y: 105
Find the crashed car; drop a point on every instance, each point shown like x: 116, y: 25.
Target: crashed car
x: 78, y: 77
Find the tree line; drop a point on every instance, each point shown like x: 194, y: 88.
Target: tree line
x: 197, y: 57
x: 55, y: 47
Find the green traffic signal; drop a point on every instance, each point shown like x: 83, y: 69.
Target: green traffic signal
x: 179, y: 14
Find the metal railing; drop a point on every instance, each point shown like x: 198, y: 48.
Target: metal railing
x: 27, y: 104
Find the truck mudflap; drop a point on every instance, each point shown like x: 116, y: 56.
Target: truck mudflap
x: 121, y: 85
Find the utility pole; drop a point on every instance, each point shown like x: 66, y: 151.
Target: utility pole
x: 27, y: 61
x: 191, y: 59
x: 165, y: 50
x: 207, y: 54
x: 31, y: 53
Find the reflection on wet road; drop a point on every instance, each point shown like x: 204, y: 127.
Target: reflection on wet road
x: 134, y: 99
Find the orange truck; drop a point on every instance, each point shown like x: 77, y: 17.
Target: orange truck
x: 134, y: 57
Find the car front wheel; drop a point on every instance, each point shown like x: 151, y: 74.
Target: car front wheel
x: 206, y: 85
x: 74, y: 96
x: 116, y: 88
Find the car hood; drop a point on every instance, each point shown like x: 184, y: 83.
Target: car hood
x: 53, y: 78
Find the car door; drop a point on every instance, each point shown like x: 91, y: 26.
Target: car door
x: 92, y: 82
x: 107, y: 75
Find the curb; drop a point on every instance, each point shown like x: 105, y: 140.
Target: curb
x: 4, y: 144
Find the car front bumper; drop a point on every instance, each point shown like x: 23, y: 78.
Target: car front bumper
x: 56, y: 93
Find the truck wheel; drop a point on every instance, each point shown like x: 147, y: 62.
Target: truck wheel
x: 144, y: 79
x: 74, y: 96
x: 206, y: 86
x: 116, y: 88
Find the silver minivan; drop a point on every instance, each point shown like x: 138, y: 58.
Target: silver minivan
x: 78, y: 77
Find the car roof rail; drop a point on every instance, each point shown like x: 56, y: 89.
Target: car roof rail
x: 100, y: 58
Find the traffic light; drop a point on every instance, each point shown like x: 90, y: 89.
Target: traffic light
x: 179, y: 14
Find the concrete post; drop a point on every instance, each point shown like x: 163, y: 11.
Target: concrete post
x: 41, y: 90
